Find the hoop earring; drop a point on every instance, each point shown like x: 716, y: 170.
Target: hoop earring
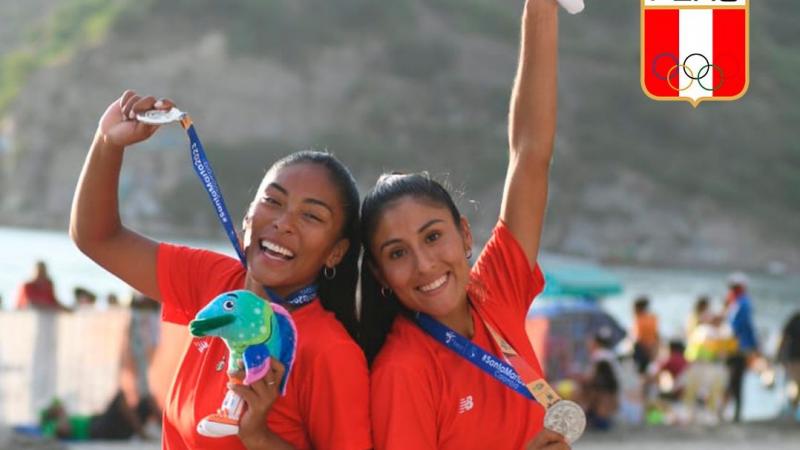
x: 385, y: 291
x: 329, y: 272
x: 469, y: 254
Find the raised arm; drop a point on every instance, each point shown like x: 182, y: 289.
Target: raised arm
x: 532, y: 124
x: 95, y: 225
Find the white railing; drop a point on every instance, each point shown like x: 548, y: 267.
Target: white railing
x: 83, y: 358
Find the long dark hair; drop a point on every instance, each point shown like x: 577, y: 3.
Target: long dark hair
x: 378, y: 311
x: 337, y: 295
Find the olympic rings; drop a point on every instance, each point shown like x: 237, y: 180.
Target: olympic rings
x: 706, y: 67
x: 655, y: 63
x: 685, y: 68
x: 702, y: 73
x: 721, y: 79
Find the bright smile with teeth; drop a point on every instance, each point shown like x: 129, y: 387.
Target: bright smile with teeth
x: 434, y: 284
x: 275, y: 249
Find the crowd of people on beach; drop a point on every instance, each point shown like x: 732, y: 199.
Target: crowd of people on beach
x: 696, y: 378
x: 131, y: 409
x: 38, y: 293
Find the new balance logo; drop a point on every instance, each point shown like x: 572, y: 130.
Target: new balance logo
x: 465, y: 404
x: 202, y: 346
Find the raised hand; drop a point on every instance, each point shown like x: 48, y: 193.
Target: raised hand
x: 118, y: 125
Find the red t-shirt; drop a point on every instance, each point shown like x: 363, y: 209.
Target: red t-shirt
x: 326, y: 405
x: 37, y: 294
x: 425, y: 396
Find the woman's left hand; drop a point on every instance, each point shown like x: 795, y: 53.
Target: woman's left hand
x: 258, y: 398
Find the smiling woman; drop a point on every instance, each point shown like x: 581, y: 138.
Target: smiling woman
x: 429, y: 318
x: 300, y: 238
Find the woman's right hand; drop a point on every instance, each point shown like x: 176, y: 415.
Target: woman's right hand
x: 548, y: 440
x: 118, y: 125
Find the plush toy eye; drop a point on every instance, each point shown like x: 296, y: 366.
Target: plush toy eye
x: 228, y: 305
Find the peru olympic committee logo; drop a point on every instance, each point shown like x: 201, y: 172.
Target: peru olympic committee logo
x: 695, y: 50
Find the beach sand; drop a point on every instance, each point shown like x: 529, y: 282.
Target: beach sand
x: 775, y: 435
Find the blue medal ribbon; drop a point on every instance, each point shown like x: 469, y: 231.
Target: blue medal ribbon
x: 479, y: 357
x: 202, y: 167
x: 203, y: 170
x: 298, y: 298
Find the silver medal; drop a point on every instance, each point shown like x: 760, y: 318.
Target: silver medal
x: 567, y: 418
x: 160, y: 117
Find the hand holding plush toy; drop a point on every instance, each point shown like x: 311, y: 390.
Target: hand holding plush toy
x: 254, y: 331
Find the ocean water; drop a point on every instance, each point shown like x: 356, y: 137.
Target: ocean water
x: 68, y: 267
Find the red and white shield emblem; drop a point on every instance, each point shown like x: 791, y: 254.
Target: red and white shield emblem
x: 695, y: 50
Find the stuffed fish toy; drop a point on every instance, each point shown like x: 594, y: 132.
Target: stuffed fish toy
x: 254, y: 331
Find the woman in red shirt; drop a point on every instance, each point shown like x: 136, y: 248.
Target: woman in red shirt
x: 417, y: 247
x: 300, y: 234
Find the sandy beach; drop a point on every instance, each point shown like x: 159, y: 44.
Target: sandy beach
x: 778, y: 435
x: 775, y: 435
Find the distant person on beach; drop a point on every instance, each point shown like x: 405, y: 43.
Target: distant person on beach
x: 300, y: 245
x: 709, y: 346
x: 112, y: 301
x: 699, y: 314
x: 38, y: 292
x: 600, y: 390
x: 673, y: 366
x: 789, y: 355
x: 119, y: 421
x: 139, y: 346
x: 740, y: 316
x: 84, y: 298
x: 645, y: 334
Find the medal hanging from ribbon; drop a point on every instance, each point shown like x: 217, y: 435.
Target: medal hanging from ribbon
x: 202, y: 167
x: 562, y: 416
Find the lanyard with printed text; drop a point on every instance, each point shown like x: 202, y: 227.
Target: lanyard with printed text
x: 202, y: 167
x: 532, y: 378
x: 514, y: 372
x: 203, y: 170
x: 489, y: 363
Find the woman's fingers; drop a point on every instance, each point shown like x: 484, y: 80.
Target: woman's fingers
x: 263, y: 386
x: 277, y: 369
x: 164, y: 103
x: 127, y: 107
x: 548, y: 440
x: 123, y: 99
x: 247, y: 394
x: 144, y: 104
x: 131, y: 104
